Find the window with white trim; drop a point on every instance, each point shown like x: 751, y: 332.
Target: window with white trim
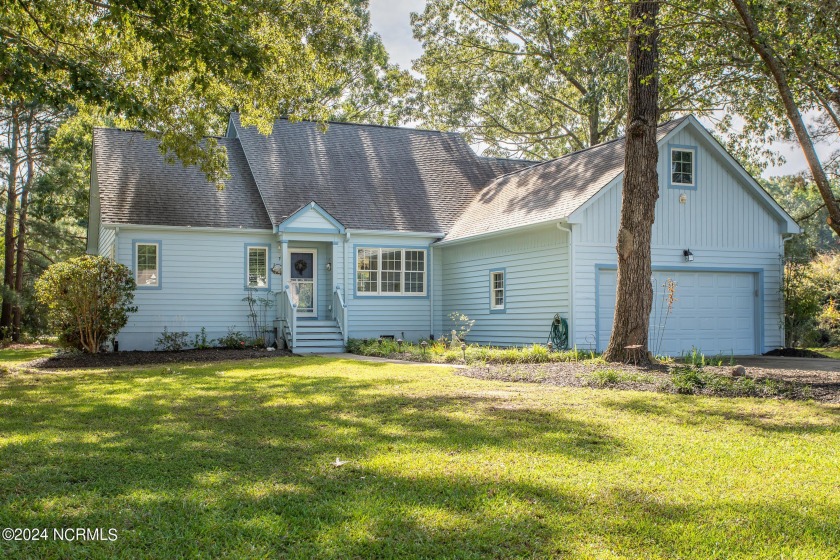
x: 682, y: 167
x: 391, y: 272
x: 497, y: 289
x: 257, y: 267
x: 146, y: 266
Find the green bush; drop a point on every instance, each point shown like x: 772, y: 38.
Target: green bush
x: 234, y: 340
x: 438, y: 351
x: 171, y: 341
x: 811, y: 292
x: 88, y: 300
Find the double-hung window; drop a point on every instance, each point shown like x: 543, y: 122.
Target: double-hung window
x: 147, y: 264
x: 497, y: 290
x: 257, y: 267
x: 391, y: 272
x: 682, y: 167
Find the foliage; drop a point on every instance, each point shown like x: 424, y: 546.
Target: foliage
x: 801, y: 199
x: 439, y: 352
x: 462, y: 325
x: 694, y: 380
x: 609, y: 376
x: 810, y: 291
x: 172, y: 341
x: 200, y: 340
x: 453, y: 467
x: 234, y: 339
x: 177, y: 68
x: 88, y: 300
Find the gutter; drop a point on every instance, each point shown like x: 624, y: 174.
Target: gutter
x: 188, y: 228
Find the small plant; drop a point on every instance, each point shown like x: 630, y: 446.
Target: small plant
x: 695, y: 358
x: 609, y: 376
x: 663, y: 307
x: 200, y: 340
x: 462, y: 324
x: 171, y: 341
x: 234, y: 339
x: 258, y: 317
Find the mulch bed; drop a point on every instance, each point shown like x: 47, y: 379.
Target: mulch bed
x: 795, y: 353
x: 74, y: 360
x: 806, y: 384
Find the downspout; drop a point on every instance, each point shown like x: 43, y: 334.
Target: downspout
x: 568, y: 230
x: 431, y: 286
x: 117, y: 246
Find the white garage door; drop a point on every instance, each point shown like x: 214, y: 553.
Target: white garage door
x: 713, y: 311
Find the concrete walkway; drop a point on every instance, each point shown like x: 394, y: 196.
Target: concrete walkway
x: 348, y: 356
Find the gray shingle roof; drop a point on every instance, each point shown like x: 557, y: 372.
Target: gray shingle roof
x: 137, y: 186
x: 548, y: 191
x: 367, y: 177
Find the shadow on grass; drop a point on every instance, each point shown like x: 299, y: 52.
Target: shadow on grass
x: 200, y: 462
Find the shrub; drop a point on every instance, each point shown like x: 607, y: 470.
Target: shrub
x: 200, y: 340
x: 233, y: 339
x: 88, y: 300
x: 171, y: 341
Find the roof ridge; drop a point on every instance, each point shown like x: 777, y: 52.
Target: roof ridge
x: 371, y: 125
x: 141, y: 131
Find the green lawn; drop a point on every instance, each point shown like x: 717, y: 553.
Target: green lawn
x: 233, y: 460
x: 830, y: 352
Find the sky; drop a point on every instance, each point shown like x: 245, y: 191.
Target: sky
x: 390, y: 18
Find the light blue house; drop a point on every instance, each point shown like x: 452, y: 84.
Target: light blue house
x: 368, y: 231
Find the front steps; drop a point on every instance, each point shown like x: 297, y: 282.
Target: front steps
x: 318, y: 337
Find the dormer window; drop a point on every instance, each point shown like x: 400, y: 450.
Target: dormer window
x: 683, y: 172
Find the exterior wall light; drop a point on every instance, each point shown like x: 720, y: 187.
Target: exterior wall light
x: 277, y: 269
x: 688, y: 255
x: 329, y: 266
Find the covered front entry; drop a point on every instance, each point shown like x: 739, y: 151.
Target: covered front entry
x: 714, y: 311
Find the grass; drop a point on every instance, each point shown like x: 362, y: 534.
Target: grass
x: 830, y: 352
x: 611, y: 376
x: 234, y: 460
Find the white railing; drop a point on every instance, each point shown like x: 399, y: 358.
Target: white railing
x: 339, y: 310
x: 288, y: 314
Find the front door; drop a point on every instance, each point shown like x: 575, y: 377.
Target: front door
x: 304, y: 285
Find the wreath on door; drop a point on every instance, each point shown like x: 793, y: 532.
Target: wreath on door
x: 300, y: 266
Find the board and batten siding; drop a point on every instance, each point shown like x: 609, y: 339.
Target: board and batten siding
x: 107, y: 236
x: 536, y: 267
x: 407, y: 317
x: 202, y: 284
x: 721, y: 222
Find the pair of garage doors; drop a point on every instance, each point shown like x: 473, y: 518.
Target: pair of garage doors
x: 715, y: 312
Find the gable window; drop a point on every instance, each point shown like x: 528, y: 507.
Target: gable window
x: 391, y: 272
x: 258, y: 267
x: 497, y: 290
x: 147, y: 265
x: 682, y: 167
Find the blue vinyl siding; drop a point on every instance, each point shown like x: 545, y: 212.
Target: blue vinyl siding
x: 536, y: 285
x: 107, y: 237
x: 399, y: 316
x: 722, y: 222
x: 203, y: 278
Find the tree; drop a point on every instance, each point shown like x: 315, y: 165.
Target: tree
x: 776, y: 67
x: 634, y: 293
x: 540, y: 78
x: 177, y: 68
x: 88, y: 298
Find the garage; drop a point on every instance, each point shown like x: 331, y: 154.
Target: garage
x: 714, y: 311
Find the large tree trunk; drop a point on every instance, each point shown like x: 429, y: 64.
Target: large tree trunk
x: 21, y: 234
x: 777, y: 70
x: 9, y: 241
x: 634, y: 293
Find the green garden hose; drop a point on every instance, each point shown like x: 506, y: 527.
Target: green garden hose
x: 559, y: 334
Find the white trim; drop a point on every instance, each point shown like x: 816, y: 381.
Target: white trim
x: 314, y: 252
x: 156, y: 245
x: 494, y: 289
x: 393, y: 233
x: 379, y: 271
x: 571, y: 248
x: 266, y: 276
x: 693, y: 152
x: 496, y: 233
x: 188, y: 228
